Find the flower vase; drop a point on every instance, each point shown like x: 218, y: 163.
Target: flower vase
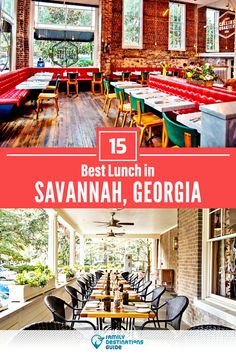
x: 164, y: 71
x: 209, y: 83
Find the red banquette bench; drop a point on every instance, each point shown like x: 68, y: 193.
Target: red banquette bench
x: 200, y: 95
x: 10, y: 97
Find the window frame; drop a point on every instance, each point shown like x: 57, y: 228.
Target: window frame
x: 217, y: 47
x: 183, y: 35
x: 128, y: 46
x: 207, y: 243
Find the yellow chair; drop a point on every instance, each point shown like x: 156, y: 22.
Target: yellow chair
x: 72, y: 80
x: 49, y: 96
x: 54, y: 88
x: 109, y: 97
x: 124, y: 108
x: 97, y: 81
x: 143, y: 120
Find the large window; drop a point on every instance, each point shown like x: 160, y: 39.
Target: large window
x: 62, y: 30
x: 212, y: 30
x: 7, y: 24
x: 177, y: 26
x: 221, y: 254
x: 133, y: 24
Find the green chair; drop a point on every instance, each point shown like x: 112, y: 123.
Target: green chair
x: 97, y: 81
x: 123, y: 107
x: 179, y: 135
x: 144, y: 78
x: 125, y: 76
x: 109, y: 97
x: 145, y: 120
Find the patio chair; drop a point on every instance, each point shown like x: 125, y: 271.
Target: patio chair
x: 125, y: 275
x: 144, y: 289
x: 210, y: 327
x: 84, y: 289
x: 51, y: 326
x: 98, y: 275
x: 133, y: 280
x: 137, y: 285
x: 72, y: 80
x: 142, y: 119
x: 58, y: 308
x: 124, y: 108
x: 179, y: 135
x: 76, y: 299
x: 174, y: 311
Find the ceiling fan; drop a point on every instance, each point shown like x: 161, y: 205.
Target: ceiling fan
x: 112, y: 234
x: 114, y: 222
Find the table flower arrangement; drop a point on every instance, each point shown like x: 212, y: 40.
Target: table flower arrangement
x: 164, y: 67
x: 201, y: 75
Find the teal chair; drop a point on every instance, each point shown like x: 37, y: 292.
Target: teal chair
x: 179, y: 135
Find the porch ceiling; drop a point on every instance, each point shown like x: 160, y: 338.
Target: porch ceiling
x: 148, y: 222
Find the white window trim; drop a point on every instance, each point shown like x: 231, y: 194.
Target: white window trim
x: 12, y: 21
x: 206, y: 267
x: 218, y: 38
x: 183, y: 47
x: 128, y: 46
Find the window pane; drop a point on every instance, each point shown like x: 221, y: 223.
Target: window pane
x: 176, y: 26
x: 224, y: 268
x: 80, y: 18
x: 51, y: 15
x: 132, y: 23
x: 215, y: 224
x: 229, y: 221
x: 8, y: 6
x: 212, y: 30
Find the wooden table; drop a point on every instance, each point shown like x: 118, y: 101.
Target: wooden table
x: 125, y: 84
x: 101, y: 296
x: 116, y: 315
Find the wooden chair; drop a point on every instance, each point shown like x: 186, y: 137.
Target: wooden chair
x: 179, y: 135
x: 72, y: 80
x: 124, y: 108
x: 109, y: 97
x: 144, y: 78
x: 49, y: 96
x: 54, y: 88
x: 125, y: 76
x: 144, y: 120
x: 97, y: 81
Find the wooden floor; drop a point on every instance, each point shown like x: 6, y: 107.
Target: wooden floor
x: 75, y: 126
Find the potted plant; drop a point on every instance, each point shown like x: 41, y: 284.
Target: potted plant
x: 201, y: 75
x: 29, y: 284
x: 66, y: 274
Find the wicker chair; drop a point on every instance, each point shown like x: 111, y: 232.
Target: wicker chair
x: 174, y: 311
x: 58, y: 306
x: 51, y: 326
x: 210, y: 327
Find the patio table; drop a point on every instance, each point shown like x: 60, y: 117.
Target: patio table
x: 191, y: 120
x: 100, y: 295
x: 116, y: 315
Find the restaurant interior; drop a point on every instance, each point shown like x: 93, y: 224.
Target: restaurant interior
x: 69, y: 67
x: 67, y: 269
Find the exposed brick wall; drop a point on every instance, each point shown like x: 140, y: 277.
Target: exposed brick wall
x: 22, y: 34
x: 155, y: 30
x: 169, y: 256
x: 189, y: 261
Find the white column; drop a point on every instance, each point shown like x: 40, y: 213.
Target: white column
x: 53, y: 242
x: 81, y: 250
x: 154, y: 256
x: 72, y: 248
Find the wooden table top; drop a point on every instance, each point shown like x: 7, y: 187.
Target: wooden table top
x: 125, y: 312
x: 103, y: 296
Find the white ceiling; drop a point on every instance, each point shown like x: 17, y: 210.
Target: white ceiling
x: 147, y: 221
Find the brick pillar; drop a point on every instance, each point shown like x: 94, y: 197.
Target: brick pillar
x: 189, y: 258
x: 22, y: 34
x: 106, y: 34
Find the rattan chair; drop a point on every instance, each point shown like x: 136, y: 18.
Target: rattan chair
x: 51, y: 326
x: 58, y: 308
x: 174, y: 311
x: 210, y: 327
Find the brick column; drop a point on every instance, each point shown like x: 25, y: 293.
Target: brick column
x: 22, y: 33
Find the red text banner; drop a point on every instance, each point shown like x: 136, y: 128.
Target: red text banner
x: 117, y: 173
